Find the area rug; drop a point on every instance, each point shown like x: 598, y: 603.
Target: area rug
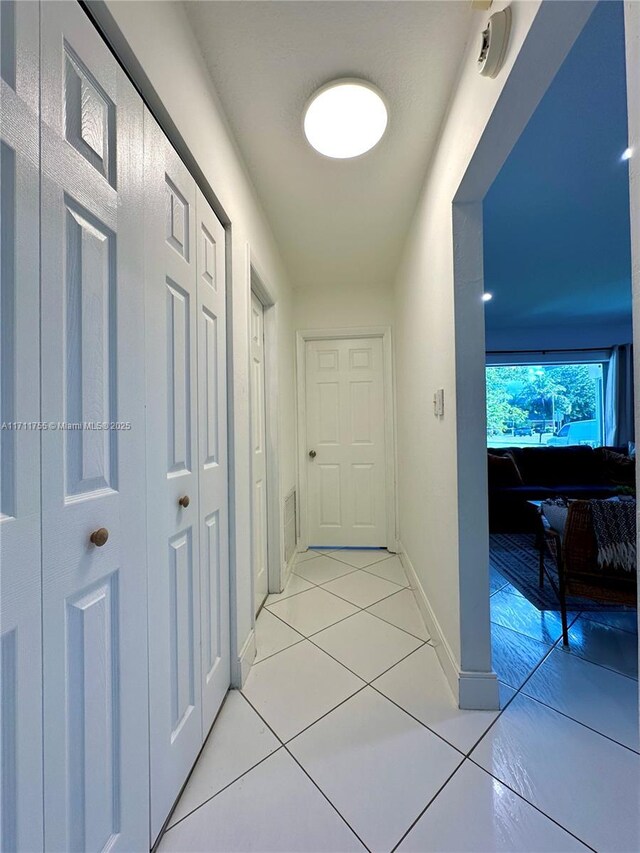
x: 515, y: 557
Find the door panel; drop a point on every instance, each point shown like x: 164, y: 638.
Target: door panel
x: 186, y: 458
x: 173, y: 535
x: 259, y: 541
x: 94, y: 598
x: 346, y: 480
x: 212, y: 462
x: 21, y: 825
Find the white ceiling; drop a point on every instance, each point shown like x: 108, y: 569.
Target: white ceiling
x: 337, y: 222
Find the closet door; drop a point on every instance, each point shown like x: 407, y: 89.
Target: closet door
x: 173, y: 462
x: 20, y: 574
x: 212, y: 461
x: 93, y: 472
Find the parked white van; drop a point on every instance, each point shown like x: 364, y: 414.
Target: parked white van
x: 578, y: 432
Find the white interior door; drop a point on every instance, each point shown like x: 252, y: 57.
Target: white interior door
x: 187, y: 468
x: 20, y: 558
x: 93, y: 476
x: 212, y: 462
x: 345, y: 443
x: 172, y: 463
x: 259, y: 542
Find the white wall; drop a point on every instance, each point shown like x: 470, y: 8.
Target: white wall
x: 157, y: 38
x: 341, y: 307
x: 439, y: 338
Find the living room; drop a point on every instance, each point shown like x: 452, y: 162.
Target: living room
x: 560, y: 429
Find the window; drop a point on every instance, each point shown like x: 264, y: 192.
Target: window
x: 553, y: 404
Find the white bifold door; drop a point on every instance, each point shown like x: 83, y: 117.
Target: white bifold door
x: 345, y: 435
x: 21, y: 824
x: 259, y: 544
x: 94, y: 572
x: 114, y: 584
x: 187, y: 468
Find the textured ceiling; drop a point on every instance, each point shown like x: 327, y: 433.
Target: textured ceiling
x: 337, y: 223
x: 557, y: 232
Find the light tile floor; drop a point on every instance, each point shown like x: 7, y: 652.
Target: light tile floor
x: 346, y: 736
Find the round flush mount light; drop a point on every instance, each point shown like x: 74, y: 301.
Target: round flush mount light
x: 627, y: 154
x: 487, y: 297
x: 345, y: 118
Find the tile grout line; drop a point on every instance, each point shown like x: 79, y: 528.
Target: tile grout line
x: 421, y: 640
x: 308, y: 636
x: 517, y: 691
x: 551, y: 648
x: 288, y: 751
x: 533, y: 805
x: 367, y: 683
x: 284, y: 649
x: 595, y: 663
x: 580, y: 614
x: 439, y: 791
x: 346, y: 563
x: 386, y: 621
x: 605, y: 624
x: 331, y: 592
x: 228, y: 785
x: 413, y: 717
x: 333, y: 806
x: 550, y: 643
x: 427, y: 642
x: 579, y: 722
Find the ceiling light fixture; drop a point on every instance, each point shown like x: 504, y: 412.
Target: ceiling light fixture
x: 487, y: 297
x: 345, y: 118
x: 627, y: 154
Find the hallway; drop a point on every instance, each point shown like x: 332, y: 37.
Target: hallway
x: 332, y: 744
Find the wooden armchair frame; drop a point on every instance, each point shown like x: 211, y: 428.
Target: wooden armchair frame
x: 576, y: 557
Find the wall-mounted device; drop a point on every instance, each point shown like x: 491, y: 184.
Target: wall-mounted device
x: 493, y: 47
x: 438, y: 403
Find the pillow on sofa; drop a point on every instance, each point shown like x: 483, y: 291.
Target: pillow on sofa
x: 618, y: 468
x: 556, y: 511
x: 503, y: 471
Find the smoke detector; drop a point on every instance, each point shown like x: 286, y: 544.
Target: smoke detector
x: 495, y: 38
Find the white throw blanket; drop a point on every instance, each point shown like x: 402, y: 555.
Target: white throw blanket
x: 614, y: 524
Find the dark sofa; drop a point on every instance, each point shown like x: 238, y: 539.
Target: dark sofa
x: 520, y: 474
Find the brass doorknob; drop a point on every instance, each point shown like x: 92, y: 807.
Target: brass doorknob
x: 184, y: 501
x: 99, y: 537
x: 312, y: 454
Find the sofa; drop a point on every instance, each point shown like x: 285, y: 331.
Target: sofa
x: 521, y: 474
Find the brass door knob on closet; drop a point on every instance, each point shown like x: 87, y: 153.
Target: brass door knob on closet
x: 184, y: 501
x: 99, y: 537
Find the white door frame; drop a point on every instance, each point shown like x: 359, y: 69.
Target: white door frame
x: 551, y: 37
x: 302, y: 336
x: 257, y: 284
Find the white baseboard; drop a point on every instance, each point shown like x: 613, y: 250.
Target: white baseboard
x: 287, y: 568
x: 244, y: 661
x: 478, y: 691
x: 475, y: 691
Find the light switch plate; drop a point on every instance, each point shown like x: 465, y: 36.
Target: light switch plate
x: 438, y: 403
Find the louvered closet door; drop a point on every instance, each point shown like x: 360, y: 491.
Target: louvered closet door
x: 20, y: 577
x: 94, y: 598
x: 187, y: 468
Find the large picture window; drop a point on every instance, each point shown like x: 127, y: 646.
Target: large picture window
x: 552, y: 404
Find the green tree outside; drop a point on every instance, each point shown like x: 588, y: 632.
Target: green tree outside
x: 518, y: 396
